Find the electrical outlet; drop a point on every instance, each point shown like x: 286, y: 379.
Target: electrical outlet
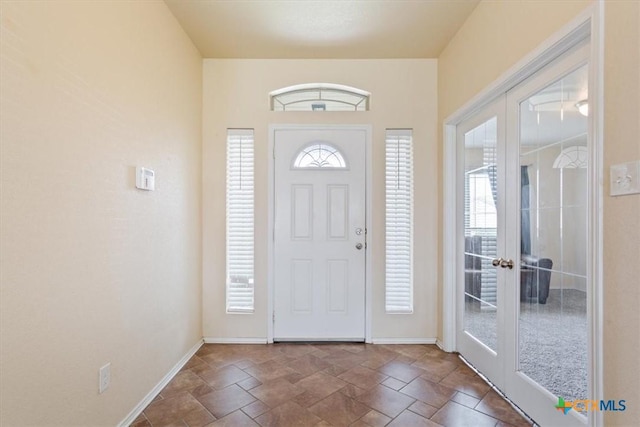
x: 105, y: 378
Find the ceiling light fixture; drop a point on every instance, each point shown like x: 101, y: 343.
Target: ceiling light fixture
x: 583, y: 107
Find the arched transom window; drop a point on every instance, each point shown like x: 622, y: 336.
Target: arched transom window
x: 319, y: 97
x: 319, y: 155
x: 575, y: 156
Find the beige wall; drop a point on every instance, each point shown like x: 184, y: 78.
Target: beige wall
x: 622, y: 214
x: 93, y: 270
x: 494, y: 38
x: 403, y: 95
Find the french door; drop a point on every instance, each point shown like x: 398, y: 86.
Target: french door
x: 522, y: 263
x: 481, y: 151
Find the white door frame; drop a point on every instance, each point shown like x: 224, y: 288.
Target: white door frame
x: 368, y: 223
x: 589, y: 24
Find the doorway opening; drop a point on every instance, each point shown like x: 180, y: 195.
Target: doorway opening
x: 522, y: 226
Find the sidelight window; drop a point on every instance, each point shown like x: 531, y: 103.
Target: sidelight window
x: 399, y: 221
x: 240, y: 224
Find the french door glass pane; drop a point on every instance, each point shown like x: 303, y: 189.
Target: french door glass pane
x: 553, y: 241
x: 480, y: 233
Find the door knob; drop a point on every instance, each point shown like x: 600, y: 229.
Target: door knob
x: 501, y: 262
x: 506, y: 263
x: 358, y: 246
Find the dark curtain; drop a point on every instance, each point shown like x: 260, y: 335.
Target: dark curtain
x: 525, y: 218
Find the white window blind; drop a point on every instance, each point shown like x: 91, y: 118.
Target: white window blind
x: 240, y: 223
x: 399, y: 221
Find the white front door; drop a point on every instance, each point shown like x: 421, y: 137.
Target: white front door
x: 319, y: 233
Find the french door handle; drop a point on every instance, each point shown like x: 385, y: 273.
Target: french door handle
x: 506, y: 263
x: 501, y: 262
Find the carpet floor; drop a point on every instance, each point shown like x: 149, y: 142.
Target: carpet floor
x: 552, y: 341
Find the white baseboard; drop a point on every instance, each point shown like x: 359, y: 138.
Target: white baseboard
x: 210, y: 340
x: 158, y: 388
x: 404, y: 340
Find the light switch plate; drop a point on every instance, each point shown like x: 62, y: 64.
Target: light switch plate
x: 625, y: 179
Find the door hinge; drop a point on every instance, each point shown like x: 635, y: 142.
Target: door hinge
x: 273, y: 317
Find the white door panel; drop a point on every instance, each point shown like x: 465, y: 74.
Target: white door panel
x: 319, y: 272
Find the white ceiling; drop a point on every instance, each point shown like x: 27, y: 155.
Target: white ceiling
x: 300, y: 29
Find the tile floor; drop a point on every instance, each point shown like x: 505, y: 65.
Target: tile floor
x: 296, y: 385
